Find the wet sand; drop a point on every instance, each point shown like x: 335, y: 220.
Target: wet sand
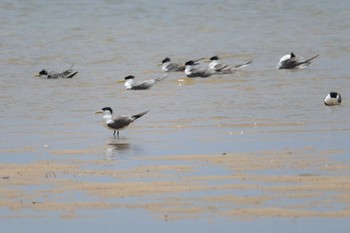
x: 308, y: 184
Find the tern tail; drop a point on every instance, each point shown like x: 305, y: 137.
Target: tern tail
x: 139, y: 115
x: 307, y: 61
x: 161, y: 78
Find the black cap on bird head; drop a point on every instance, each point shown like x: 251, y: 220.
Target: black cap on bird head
x: 214, y: 58
x: 166, y: 60
x: 129, y: 77
x: 107, y: 109
x: 333, y: 94
x: 292, y: 54
x: 189, y: 63
x: 43, y: 72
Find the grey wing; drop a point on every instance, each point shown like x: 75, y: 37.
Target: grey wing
x: 205, y: 73
x: 218, y: 66
x: 68, y: 73
x: 120, y: 122
x: 53, y: 75
x: 289, y: 64
x: 143, y: 85
x: 239, y: 66
x: 176, y: 67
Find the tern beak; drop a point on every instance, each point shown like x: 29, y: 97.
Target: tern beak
x: 200, y: 59
x: 206, y: 60
x: 121, y: 81
x: 98, y: 112
x: 36, y: 75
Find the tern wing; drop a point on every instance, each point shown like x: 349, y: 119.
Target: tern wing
x: 176, y: 67
x: 289, y: 64
x: 134, y: 117
x: 240, y: 66
x: 119, y: 122
x: 53, y: 75
x: 308, y: 61
x: 144, y: 85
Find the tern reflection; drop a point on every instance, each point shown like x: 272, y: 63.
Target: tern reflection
x: 121, y: 150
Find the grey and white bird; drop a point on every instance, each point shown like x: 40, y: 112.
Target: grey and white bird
x: 69, y: 73
x: 215, y: 63
x: 333, y: 98
x: 130, y: 84
x: 168, y: 66
x: 119, y: 122
x: 193, y: 72
x: 289, y: 61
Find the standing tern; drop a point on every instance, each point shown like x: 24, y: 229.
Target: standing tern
x: 215, y: 64
x: 69, y: 73
x: 290, y: 61
x: 168, y: 66
x: 333, y: 98
x: 130, y: 84
x: 119, y: 122
x: 193, y: 72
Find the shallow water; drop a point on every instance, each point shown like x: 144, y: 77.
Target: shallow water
x: 254, y: 110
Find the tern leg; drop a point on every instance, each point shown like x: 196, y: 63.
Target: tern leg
x: 114, y: 133
x: 118, y: 134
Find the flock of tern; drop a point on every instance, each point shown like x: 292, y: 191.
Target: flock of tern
x: 190, y: 69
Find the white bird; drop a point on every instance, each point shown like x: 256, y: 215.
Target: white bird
x: 69, y: 73
x: 193, y: 72
x: 290, y: 61
x: 119, y: 122
x: 215, y: 64
x: 130, y: 84
x: 168, y: 66
x: 333, y: 98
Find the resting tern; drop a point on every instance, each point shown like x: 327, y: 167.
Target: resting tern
x: 215, y: 64
x: 290, y: 61
x: 130, y: 83
x: 333, y: 98
x: 55, y: 75
x: 119, y: 122
x: 168, y: 66
x: 193, y: 72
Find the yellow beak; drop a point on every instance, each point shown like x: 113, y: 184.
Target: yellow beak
x: 121, y: 81
x: 206, y: 59
x: 36, y: 75
x: 98, y: 112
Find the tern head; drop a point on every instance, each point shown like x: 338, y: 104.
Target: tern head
x: 292, y: 55
x: 130, y: 77
x: 107, y: 110
x: 166, y: 60
x: 214, y: 58
x: 42, y: 72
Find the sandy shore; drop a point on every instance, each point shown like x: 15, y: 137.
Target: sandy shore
x: 290, y: 183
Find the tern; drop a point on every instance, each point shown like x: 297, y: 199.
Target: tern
x: 130, y: 84
x: 168, y: 66
x: 119, y: 122
x: 290, y: 61
x: 215, y: 64
x: 193, y: 72
x: 70, y: 73
x: 333, y: 98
